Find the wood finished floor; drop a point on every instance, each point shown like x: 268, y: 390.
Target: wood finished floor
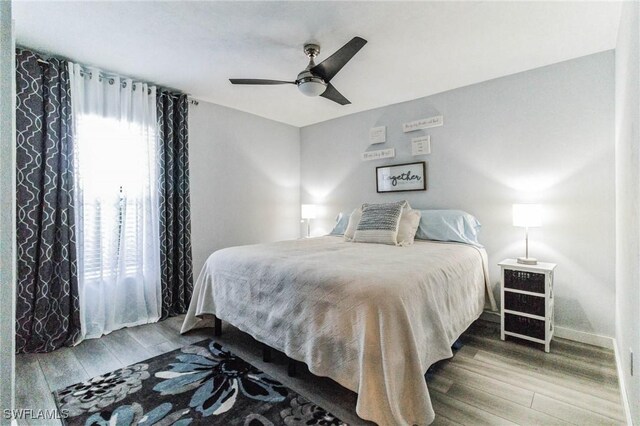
x: 487, y: 381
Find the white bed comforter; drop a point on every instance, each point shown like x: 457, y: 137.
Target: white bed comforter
x: 372, y: 317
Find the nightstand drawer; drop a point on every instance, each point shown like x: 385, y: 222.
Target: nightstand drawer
x: 523, y: 325
x: 534, y: 305
x: 523, y: 280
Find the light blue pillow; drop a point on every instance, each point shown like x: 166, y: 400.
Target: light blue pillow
x: 449, y: 225
x: 341, y: 224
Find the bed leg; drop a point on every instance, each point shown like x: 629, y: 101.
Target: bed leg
x: 291, y: 368
x: 266, y: 353
x: 457, y: 345
x: 217, y: 327
x: 429, y: 374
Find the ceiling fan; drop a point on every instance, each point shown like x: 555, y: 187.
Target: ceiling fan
x: 314, y: 80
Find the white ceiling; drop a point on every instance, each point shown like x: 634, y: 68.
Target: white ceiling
x: 415, y: 48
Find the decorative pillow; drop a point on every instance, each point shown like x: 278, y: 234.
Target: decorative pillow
x: 354, y: 220
x: 449, y: 225
x: 379, y: 223
x: 409, y: 222
x: 341, y: 224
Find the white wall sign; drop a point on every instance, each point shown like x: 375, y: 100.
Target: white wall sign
x: 421, y: 145
x: 423, y: 123
x: 376, y: 155
x: 377, y: 135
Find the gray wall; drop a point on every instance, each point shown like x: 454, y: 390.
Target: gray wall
x: 7, y: 210
x: 627, y: 100
x: 545, y: 136
x: 245, y: 177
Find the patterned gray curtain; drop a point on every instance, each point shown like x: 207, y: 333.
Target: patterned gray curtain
x: 175, y: 214
x: 47, y: 305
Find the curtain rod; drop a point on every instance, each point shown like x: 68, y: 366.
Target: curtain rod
x: 192, y: 101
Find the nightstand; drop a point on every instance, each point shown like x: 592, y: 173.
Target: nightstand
x: 526, y: 293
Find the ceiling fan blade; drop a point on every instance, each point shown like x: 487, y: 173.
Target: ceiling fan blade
x: 258, y: 81
x: 333, y: 95
x: 328, y: 68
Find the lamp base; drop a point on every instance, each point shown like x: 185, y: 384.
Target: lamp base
x: 528, y: 260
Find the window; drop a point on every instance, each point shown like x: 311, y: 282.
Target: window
x: 114, y: 174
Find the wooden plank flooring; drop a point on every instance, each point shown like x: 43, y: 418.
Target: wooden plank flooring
x: 487, y: 382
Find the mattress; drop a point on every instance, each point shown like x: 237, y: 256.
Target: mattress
x: 372, y: 317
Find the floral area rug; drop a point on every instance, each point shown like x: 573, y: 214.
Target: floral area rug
x: 200, y: 384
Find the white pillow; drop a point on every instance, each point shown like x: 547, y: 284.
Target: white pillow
x: 379, y: 223
x: 409, y: 222
x: 354, y: 220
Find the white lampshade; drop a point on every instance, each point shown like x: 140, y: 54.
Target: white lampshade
x: 526, y: 215
x: 308, y: 211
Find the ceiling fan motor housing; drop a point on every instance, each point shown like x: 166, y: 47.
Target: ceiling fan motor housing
x: 309, y: 84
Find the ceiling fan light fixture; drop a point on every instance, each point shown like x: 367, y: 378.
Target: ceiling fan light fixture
x: 312, y: 86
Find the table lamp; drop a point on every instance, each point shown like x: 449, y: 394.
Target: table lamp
x: 308, y: 212
x: 526, y: 216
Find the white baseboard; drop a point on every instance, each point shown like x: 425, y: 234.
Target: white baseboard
x: 623, y: 392
x: 584, y: 337
x: 491, y: 316
x: 564, y: 333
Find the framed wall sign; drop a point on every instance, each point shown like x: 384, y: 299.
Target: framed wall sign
x: 402, y: 177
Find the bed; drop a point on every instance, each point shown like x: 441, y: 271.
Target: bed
x: 372, y: 317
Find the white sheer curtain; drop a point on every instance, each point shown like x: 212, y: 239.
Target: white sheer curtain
x: 117, y: 205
